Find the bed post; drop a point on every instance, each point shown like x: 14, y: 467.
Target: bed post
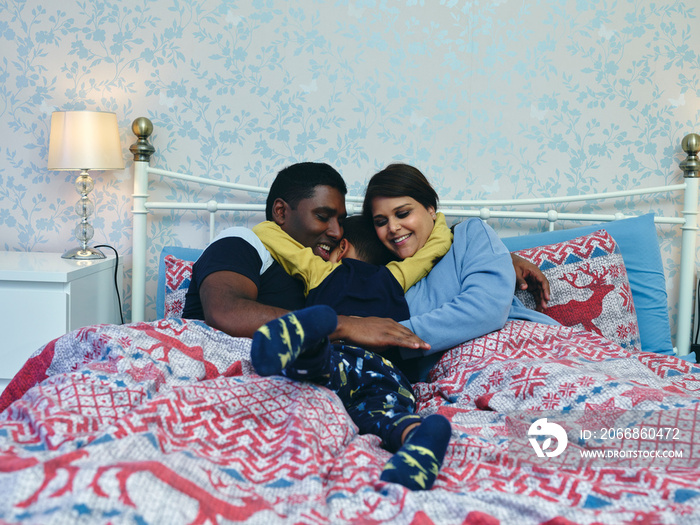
x: 691, y: 172
x: 142, y: 151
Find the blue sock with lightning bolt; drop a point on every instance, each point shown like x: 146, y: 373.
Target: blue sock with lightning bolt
x: 416, y: 464
x: 277, y: 344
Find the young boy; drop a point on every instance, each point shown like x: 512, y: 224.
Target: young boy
x: 376, y: 395
x: 360, y: 278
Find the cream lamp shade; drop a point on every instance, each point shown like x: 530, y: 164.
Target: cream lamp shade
x: 84, y: 140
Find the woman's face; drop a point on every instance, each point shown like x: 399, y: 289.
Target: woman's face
x: 402, y: 224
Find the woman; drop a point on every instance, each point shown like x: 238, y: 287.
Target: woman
x: 469, y: 293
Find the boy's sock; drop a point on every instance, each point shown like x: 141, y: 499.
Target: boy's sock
x: 278, y: 343
x: 416, y: 464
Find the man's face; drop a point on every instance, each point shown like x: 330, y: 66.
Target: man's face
x: 317, y: 221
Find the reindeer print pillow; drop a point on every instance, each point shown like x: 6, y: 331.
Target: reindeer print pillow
x: 589, y: 287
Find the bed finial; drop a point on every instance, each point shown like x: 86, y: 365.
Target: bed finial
x: 142, y: 149
x: 691, y: 164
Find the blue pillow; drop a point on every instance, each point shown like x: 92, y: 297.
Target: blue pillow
x: 639, y: 245
x: 186, y: 254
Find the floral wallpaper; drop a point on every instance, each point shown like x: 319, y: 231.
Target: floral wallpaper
x: 489, y: 99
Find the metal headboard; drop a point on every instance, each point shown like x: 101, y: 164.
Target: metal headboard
x: 485, y: 209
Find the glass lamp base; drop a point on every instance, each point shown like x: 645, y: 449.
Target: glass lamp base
x: 83, y: 254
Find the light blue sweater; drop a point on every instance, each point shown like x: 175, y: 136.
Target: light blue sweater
x: 469, y: 293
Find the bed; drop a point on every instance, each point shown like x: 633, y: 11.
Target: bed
x: 165, y: 421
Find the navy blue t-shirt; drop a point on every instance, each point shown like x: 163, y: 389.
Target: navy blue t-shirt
x: 240, y: 253
x: 362, y: 289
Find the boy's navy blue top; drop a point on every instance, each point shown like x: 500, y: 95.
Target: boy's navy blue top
x: 361, y: 289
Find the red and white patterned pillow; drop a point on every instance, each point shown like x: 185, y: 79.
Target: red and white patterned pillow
x: 178, y: 274
x: 589, y: 287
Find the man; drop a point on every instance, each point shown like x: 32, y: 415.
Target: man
x: 237, y: 286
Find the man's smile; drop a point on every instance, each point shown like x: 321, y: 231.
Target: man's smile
x: 324, y: 250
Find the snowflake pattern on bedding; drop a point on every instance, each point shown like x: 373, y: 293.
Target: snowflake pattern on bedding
x: 112, y: 423
x: 178, y: 275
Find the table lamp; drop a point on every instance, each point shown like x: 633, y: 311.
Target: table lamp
x: 84, y: 140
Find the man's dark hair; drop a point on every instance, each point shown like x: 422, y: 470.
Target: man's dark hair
x: 359, y: 231
x: 298, y: 181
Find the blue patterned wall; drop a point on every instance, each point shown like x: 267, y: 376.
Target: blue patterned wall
x: 488, y: 98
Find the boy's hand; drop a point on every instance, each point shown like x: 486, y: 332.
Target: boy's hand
x: 376, y: 333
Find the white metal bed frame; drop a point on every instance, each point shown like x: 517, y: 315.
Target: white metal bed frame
x: 485, y: 209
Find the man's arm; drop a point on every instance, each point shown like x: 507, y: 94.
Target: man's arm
x: 230, y: 305
x: 529, y: 277
x: 229, y: 301
x: 376, y: 333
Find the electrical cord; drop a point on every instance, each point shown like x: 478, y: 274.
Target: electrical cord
x: 694, y: 347
x: 116, y: 282
x: 697, y: 312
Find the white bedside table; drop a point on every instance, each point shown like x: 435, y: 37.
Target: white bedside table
x: 43, y: 297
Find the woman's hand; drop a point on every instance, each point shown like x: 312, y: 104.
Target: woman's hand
x: 529, y: 277
x: 376, y: 333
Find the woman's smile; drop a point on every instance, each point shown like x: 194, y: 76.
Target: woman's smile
x: 401, y: 239
x: 402, y: 224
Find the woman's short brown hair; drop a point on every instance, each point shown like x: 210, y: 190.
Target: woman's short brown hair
x: 399, y: 180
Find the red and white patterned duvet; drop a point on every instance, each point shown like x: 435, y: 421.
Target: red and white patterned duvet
x: 166, y: 422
